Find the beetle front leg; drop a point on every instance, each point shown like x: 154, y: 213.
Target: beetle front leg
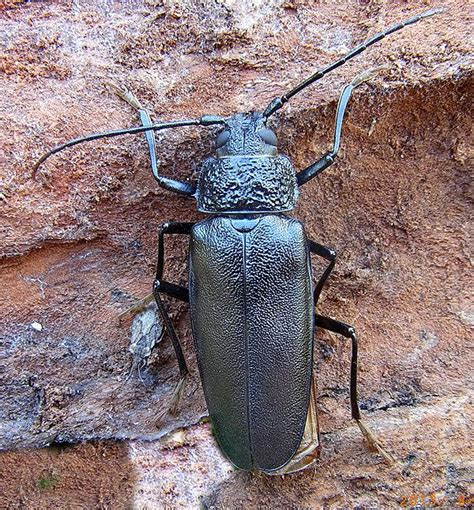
x: 349, y: 332
x: 328, y: 159
x: 180, y: 187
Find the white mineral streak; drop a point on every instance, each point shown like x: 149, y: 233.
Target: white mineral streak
x: 176, y: 472
x: 36, y: 326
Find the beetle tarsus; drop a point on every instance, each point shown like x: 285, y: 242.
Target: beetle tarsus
x: 366, y: 75
x: 138, y: 307
x: 173, y: 405
x: 177, y: 396
x: 375, y: 443
x: 125, y: 94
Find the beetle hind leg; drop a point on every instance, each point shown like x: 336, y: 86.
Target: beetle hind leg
x: 349, y: 332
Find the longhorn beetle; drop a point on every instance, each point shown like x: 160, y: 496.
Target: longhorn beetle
x: 250, y: 290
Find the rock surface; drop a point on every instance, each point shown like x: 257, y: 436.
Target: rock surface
x: 78, y: 245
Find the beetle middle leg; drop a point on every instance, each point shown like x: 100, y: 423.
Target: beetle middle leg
x: 176, y: 291
x: 162, y: 287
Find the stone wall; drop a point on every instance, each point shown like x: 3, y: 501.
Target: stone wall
x: 78, y: 245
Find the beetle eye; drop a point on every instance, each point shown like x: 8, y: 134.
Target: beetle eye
x: 222, y: 138
x: 268, y: 136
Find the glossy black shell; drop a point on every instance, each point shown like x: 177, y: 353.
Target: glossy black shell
x: 252, y: 316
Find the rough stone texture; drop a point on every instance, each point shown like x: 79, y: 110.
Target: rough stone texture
x: 79, y: 245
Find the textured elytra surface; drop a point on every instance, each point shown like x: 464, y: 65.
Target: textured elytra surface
x: 252, y: 316
x: 80, y: 249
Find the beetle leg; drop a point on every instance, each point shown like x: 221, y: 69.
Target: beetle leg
x: 138, y: 307
x: 349, y: 332
x: 328, y: 159
x: 181, y: 187
x: 328, y: 254
x: 170, y: 289
x: 178, y: 292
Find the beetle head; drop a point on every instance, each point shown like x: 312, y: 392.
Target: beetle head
x: 246, y: 134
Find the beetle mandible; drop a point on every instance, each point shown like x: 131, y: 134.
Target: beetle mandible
x: 250, y: 291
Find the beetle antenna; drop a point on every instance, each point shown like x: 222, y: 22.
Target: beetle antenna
x: 278, y: 102
x: 205, y: 120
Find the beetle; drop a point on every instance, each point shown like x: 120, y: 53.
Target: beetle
x: 251, y: 297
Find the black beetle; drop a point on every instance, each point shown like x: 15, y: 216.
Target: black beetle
x: 250, y: 288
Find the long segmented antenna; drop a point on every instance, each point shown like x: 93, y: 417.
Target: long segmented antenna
x: 206, y: 120
x: 278, y: 102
